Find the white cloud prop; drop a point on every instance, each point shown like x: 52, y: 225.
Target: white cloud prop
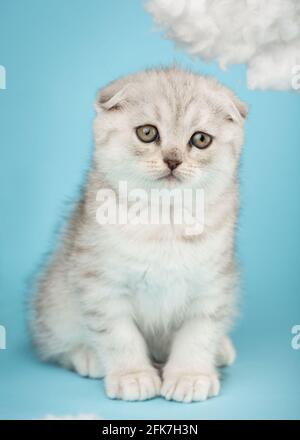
x: 263, y: 34
x: 82, y: 416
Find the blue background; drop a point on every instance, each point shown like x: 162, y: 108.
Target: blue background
x: 56, y: 54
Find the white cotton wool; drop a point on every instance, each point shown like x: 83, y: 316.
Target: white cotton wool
x: 83, y: 416
x: 263, y: 34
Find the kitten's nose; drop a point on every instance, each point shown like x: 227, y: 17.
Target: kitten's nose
x: 172, y: 163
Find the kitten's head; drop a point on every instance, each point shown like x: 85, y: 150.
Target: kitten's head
x: 169, y: 128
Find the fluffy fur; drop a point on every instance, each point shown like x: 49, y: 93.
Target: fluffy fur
x: 120, y: 300
x: 264, y: 34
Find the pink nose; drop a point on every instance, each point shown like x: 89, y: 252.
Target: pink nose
x: 172, y: 164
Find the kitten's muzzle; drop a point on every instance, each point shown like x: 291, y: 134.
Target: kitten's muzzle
x: 172, y: 163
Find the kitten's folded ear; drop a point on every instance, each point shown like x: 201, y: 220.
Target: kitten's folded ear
x: 112, y: 97
x: 241, y: 107
x: 238, y: 110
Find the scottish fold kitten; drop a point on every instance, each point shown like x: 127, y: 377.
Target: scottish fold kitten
x: 149, y: 306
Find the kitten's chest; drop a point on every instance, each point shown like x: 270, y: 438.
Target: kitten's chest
x: 158, y: 264
x: 162, y: 284
x: 161, y: 276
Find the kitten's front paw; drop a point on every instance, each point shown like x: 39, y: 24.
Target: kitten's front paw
x: 138, y: 385
x: 190, y: 387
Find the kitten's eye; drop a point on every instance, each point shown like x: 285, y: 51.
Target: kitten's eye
x: 201, y: 140
x: 147, y: 133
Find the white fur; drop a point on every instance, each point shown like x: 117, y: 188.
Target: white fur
x: 119, y: 300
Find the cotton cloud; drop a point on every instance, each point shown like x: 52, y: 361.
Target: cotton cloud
x: 263, y: 34
x: 83, y: 416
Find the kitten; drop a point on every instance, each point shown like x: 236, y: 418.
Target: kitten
x: 117, y: 300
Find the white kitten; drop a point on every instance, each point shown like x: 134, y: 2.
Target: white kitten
x: 117, y: 300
